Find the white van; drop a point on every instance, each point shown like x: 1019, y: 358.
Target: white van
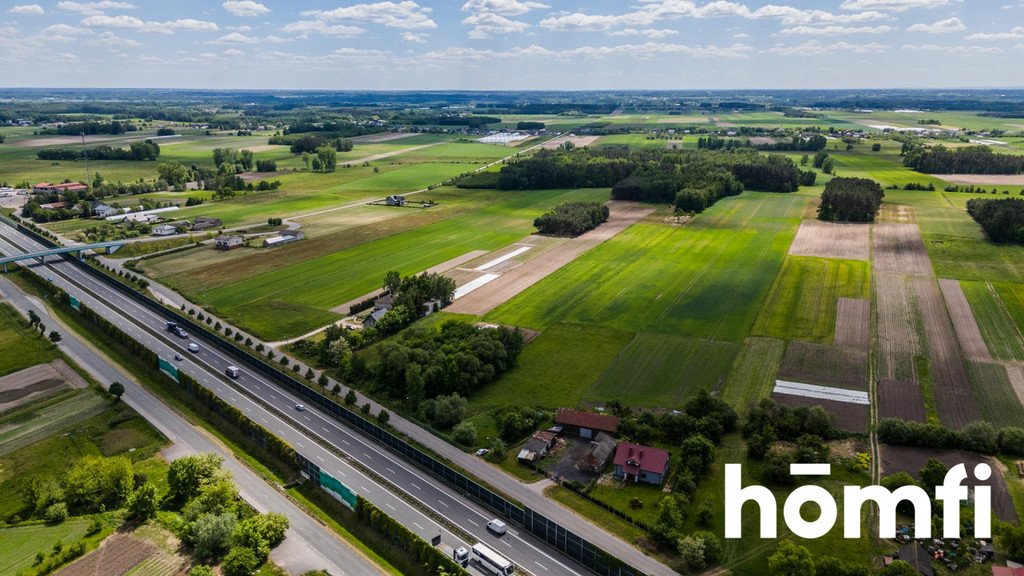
x: 193, y: 347
x: 232, y: 371
x: 497, y: 526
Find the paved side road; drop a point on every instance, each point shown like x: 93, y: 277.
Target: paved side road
x: 308, y: 545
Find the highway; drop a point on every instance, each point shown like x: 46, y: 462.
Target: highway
x: 308, y: 544
x: 315, y: 435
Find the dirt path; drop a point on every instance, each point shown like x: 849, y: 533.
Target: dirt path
x: 515, y: 281
x: 384, y: 155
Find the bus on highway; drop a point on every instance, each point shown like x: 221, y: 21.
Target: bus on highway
x: 492, y: 561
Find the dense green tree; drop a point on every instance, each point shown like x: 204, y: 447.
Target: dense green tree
x: 186, y: 475
x: 790, y: 559
x: 240, y: 561
x: 850, y: 200
x: 899, y: 568
x: 211, y: 534
x: 116, y: 389
x: 142, y: 503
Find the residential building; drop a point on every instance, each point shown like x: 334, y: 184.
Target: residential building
x: 395, y: 200
x: 229, y: 242
x: 164, y: 230
x: 585, y: 424
x: 637, y: 463
x: 101, y: 210
x: 374, y: 317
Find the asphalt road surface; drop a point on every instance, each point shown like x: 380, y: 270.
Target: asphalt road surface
x: 309, y: 431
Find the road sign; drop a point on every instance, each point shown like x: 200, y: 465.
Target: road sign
x: 338, y: 490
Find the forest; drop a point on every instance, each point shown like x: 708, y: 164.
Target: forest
x: 967, y: 160
x: 795, y: 144
x: 653, y: 175
x: 1002, y: 220
x: 850, y: 200
x: 572, y: 218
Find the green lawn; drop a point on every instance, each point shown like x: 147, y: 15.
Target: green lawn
x: 31, y: 348
x: 995, y: 396
x: 21, y: 544
x: 802, y: 303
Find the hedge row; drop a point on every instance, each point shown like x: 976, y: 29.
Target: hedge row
x: 435, y: 562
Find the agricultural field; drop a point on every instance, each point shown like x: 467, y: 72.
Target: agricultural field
x: 32, y: 348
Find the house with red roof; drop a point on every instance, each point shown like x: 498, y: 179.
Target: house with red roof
x: 585, y: 424
x: 638, y: 463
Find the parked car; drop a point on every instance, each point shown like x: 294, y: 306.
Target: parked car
x: 482, y: 452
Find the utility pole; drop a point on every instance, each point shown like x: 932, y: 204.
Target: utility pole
x: 85, y: 157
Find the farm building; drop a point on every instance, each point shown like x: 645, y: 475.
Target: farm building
x: 636, y: 463
x: 283, y: 238
x: 139, y: 217
x: 54, y: 205
x: 385, y: 302
x: 164, y: 230
x: 585, y: 424
x: 134, y: 216
x: 205, y: 223
x: 598, y: 454
x: 537, y: 446
x: 47, y: 188
x: 371, y: 320
x: 229, y: 242
x: 396, y: 200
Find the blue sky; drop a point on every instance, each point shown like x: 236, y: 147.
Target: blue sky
x: 512, y: 44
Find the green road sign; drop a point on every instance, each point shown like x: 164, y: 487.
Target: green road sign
x: 74, y: 302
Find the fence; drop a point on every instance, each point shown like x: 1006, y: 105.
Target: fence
x: 569, y: 543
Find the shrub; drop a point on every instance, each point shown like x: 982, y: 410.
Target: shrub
x: 56, y: 513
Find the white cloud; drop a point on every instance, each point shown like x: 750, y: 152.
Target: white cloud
x: 111, y: 39
x: 793, y: 16
x: 638, y: 51
x: 894, y: 5
x: 1015, y: 33
x: 594, y: 22
x: 941, y: 27
x: 503, y: 7
x: 405, y: 14
x: 32, y: 9
x: 414, y: 37
x: 235, y: 38
x: 970, y: 49
x: 741, y: 35
x: 486, y: 25
x: 835, y: 30
x: 815, y: 48
x: 648, y: 32
x: 321, y: 27
x: 133, y: 23
x: 244, y: 8
x: 233, y: 52
x: 67, y: 57
x: 239, y: 28
x: 94, y: 8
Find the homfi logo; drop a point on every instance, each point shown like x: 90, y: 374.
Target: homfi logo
x: 951, y: 493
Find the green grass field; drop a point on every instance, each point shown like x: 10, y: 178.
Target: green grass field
x: 31, y: 348
x: 753, y: 373
x: 664, y: 371
x: 291, y: 300
x: 20, y: 544
x: 1002, y: 337
x: 802, y: 303
x: 996, y: 399
x: 704, y: 280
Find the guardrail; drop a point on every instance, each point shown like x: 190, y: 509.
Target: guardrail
x: 558, y: 537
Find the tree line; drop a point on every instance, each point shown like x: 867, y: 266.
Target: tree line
x: 797, y: 143
x: 1002, y: 220
x: 146, y: 150
x: 89, y: 128
x: 572, y: 218
x: 979, y: 436
x: 967, y: 160
x: 654, y: 175
x: 850, y: 200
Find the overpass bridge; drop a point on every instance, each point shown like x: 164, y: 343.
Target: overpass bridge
x: 42, y: 254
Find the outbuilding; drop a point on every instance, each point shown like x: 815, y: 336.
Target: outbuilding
x: 585, y: 424
x: 229, y: 242
x: 164, y: 230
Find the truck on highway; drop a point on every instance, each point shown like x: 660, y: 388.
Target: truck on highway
x: 460, y: 555
x: 232, y: 371
x: 491, y: 561
x: 178, y: 331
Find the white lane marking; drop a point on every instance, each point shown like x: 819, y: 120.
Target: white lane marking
x: 443, y: 503
x: 413, y: 484
x: 472, y: 522
x: 417, y: 524
x: 392, y: 470
x: 541, y: 565
x: 388, y: 504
